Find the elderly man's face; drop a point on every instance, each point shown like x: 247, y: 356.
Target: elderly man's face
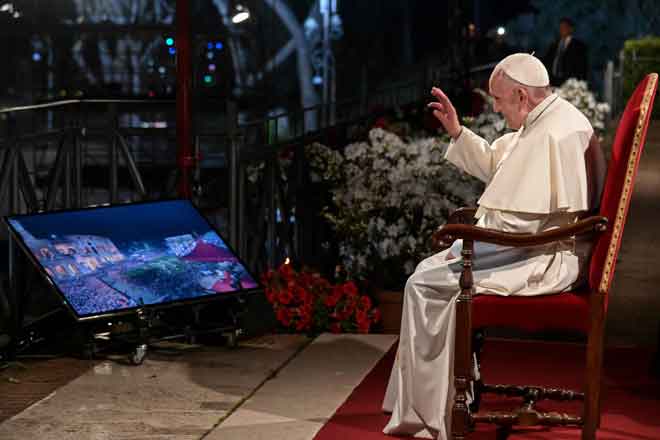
x: 507, y: 101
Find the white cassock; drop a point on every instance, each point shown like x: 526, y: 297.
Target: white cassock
x: 536, y: 180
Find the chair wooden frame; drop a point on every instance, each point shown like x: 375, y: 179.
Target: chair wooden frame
x: 460, y: 227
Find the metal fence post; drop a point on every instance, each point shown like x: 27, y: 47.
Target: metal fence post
x: 271, y: 233
x: 242, y: 194
x: 619, y: 99
x: 608, y: 85
x: 233, y: 164
x: 10, y: 165
x: 300, y: 209
x: 114, y: 180
x: 77, y: 158
x: 14, y: 200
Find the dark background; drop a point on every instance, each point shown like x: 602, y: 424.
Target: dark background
x: 387, y: 38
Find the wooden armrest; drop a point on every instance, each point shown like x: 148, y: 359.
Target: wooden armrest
x: 449, y: 233
x: 463, y: 216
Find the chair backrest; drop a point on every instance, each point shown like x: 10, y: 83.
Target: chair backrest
x: 615, y: 201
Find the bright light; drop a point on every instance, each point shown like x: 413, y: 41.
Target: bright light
x: 7, y: 7
x: 240, y: 17
x: 161, y: 70
x: 36, y: 57
x: 219, y: 45
x: 310, y: 25
x: 241, y: 14
x: 212, y: 67
x: 172, y: 51
x: 210, y: 55
x: 209, y: 45
x: 208, y: 79
x: 287, y: 261
x: 169, y: 41
x: 317, y: 80
x: 501, y: 31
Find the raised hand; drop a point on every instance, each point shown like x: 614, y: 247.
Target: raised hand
x: 445, y: 112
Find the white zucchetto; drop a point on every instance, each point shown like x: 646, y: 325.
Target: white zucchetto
x: 526, y: 69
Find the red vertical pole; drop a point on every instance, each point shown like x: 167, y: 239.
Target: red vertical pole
x: 184, y: 138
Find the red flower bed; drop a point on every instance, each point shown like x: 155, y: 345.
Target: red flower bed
x: 306, y: 302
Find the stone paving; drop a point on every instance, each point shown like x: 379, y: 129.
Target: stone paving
x: 276, y: 387
x: 167, y: 397
x: 303, y: 396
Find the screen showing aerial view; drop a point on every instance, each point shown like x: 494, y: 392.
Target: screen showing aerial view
x: 110, y: 259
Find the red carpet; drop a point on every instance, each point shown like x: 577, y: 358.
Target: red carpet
x: 631, y: 406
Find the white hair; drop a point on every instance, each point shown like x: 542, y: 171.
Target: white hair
x: 536, y: 94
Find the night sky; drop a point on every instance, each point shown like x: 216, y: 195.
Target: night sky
x: 137, y: 222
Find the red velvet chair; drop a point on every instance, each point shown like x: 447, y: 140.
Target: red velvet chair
x: 582, y: 310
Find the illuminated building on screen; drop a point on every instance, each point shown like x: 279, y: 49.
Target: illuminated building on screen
x: 71, y: 255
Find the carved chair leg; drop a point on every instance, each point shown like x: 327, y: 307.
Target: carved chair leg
x: 532, y: 392
x: 463, y: 373
x: 527, y: 416
x: 594, y: 368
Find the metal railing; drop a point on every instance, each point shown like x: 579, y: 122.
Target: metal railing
x: 76, y: 153
x: 48, y: 148
x: 614, y: 92
x: 613, y: 86
x: 278, y: 216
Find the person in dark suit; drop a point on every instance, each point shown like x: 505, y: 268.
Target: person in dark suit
x: 567, y: 57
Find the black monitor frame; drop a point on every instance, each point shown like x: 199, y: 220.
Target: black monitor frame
x: 137, y: 309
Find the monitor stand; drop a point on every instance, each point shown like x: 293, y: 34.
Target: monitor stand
x: 140, y: 332
x: 145, y: 321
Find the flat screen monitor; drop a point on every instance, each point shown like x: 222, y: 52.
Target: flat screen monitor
x: 114, y: 259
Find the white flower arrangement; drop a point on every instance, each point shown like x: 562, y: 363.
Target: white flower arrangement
x: 389, y: 195
x: 577, y: 93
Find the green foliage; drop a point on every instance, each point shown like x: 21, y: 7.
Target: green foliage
x: 641, y: 57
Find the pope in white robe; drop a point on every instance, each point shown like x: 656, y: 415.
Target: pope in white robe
x: 537, y: 178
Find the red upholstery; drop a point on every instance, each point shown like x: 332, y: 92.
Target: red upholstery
x: 619, y: 174
x: 570, y: 311
x: 567, y: 312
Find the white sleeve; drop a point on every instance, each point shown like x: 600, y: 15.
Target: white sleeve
x: 472, y: 154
